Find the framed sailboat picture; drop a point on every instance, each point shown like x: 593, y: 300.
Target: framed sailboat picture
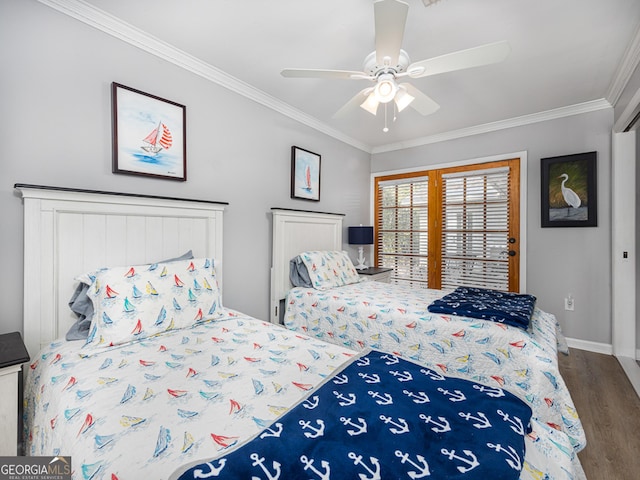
x: 149, y: 135
x: 305, y: 174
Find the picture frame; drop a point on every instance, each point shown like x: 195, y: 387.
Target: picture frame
x: 149, y: 135
x: 569, y: 190
x: 305, y: 174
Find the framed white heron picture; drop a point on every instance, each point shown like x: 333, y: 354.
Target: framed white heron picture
x: 149, y: 135
x: 569, y: 190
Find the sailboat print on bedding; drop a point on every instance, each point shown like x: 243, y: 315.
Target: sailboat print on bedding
x: 127, y: 313
x: 149, y: 134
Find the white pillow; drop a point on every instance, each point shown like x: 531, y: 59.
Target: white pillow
x: 134, y: 302
x: 329, y: 268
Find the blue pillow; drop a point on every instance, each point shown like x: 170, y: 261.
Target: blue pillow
x: 298, y: 273
x: 82, y: 306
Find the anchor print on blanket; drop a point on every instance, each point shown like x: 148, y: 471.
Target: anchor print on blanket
x: 398, y: 426
x: 448, y: 428
x: 311, y: 403
x: 214, y: 471
x: 359, y: 428
x: 479, y: 420
x: 271, y: 432
x: 372, y: 469
x: 315, y: 431
x: 421, y: 467
x: 440, y: 425
x: 259, y: 461
x: 466, y: 463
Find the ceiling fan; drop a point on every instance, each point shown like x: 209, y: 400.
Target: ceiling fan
x: 389, y: 63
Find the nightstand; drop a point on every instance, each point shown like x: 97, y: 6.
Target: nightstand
x: 13, y: 354
x: 378, y: 274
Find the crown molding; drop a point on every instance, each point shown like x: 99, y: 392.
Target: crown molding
x: 121, y: 30
x: 111, y: 25
x: 570, y: 110
x: 627, y: 119
x: 625, y: 70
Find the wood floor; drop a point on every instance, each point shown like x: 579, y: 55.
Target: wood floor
x: 609, y: 409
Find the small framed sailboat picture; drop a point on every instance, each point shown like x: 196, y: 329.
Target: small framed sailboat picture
x: 305, y: 174
x: 149, y: 135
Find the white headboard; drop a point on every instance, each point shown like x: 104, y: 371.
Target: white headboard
x: 296, y: 231
x: 68, y: 232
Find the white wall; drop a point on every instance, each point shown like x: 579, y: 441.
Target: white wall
x: 55, y: 129
x: 559, y: 260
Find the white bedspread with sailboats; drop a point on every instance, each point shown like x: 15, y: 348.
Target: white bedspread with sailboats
x: 147, y: 407
x: 171, y: 398
x: 167, y: 375
x: 395, y: 318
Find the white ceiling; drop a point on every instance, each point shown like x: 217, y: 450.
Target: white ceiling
x: 569, y: 55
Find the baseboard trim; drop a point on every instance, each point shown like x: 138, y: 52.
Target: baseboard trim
x: 632, y: 369
x: 589, y: 346
x: 628, y: 364
x: 595, y: 347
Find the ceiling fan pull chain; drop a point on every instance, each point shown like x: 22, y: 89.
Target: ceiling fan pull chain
x: 385, y: 129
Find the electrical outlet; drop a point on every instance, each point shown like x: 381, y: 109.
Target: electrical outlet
x: 568, y: 303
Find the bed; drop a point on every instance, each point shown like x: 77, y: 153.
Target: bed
x: 180, y: 387
x: 395, y: 318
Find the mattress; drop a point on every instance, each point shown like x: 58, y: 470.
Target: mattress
x: 395, y: 318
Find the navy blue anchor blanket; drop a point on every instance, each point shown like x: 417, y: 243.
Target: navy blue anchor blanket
x: 513, y: 309
x: 383, y: 417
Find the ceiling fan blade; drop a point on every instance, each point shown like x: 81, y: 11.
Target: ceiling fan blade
x: 472, y: 57
x: 390, y: 19
x: 352, y: 104
x: 316, y: 73
x: 422, y: 103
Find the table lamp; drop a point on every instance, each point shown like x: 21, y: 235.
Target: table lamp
x: 361, y: 235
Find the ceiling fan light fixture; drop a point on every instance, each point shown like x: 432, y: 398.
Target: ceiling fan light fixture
x: 386, y: 88
x: 389, y: 63
x: 371, y: 103
x: 403, y: 99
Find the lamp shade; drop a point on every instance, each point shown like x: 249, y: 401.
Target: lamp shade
x: 361, y: 235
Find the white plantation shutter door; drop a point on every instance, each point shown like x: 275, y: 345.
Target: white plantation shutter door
x: 475, y: 229
x: 402, y: 236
